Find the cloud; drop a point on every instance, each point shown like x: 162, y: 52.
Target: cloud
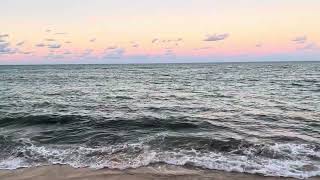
x: 26, y: 52
x: 67, y: 52
x: 40, y: 45
x: 216, y: 37
x: 134, y: 44
x: 112, y: 47
x: 93, y: 40
x: 168, y: 52
x: 154, y: 40
x: 5, y: 49
x: 173, y: 40
x: 300, y: 39
x: 54, y: 46
x: 54, y: 56
x: 4, y: 35
x: 86, y: 53
x: 114, y: 53
x: 60, y: 33
x: 310, y: 46
x: 20, y: 43
x: 48, y: 39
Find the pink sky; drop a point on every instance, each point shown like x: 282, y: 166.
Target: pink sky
x: 142, y: 31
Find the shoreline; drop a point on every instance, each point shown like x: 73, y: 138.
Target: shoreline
x: 163, y: 172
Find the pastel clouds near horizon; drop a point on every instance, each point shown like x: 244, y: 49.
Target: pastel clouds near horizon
x: 144, y: 31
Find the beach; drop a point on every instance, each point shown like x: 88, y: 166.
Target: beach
x: 163, y: 172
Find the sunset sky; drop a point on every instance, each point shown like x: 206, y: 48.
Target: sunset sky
x: 153, y: 31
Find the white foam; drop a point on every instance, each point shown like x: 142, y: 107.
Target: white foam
x: 13, y: 163
x: 117, y: 157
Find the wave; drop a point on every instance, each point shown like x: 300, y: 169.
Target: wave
x: 135, y: 141
x: 288, y: 160
x: 30, y: 120
x: 103, y: 122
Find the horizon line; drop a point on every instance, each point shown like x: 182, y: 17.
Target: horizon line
x: 142, y: 63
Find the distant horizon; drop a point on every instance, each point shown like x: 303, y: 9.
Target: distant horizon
x: 147, y: 63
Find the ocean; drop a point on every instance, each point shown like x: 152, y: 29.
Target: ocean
x: 261, y: 118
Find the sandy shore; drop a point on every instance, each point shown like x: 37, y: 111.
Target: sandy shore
x: 162, y: 172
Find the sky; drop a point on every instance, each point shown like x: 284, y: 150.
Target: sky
x: 156, y: 31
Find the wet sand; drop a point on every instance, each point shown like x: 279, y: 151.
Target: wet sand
x: 162, y: 172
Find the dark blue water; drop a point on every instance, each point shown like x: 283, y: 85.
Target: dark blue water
x: 247, y: 117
